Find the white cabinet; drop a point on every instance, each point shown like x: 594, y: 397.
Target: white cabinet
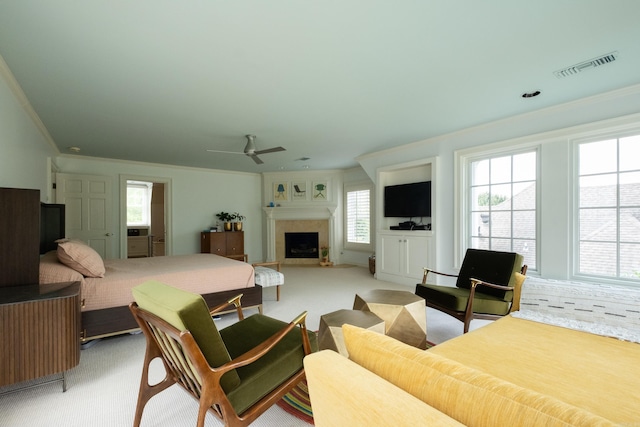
x: 402, y: 255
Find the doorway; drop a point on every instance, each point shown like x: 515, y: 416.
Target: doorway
x: 149, y: 235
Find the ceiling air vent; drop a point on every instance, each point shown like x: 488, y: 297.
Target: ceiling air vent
x: 586, y: 65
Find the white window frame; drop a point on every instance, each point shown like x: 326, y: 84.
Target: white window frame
x: 576, y: 274
x: 356, y: 246
x: 463, y: 161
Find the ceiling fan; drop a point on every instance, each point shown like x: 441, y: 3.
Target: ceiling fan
x: 250, y: 150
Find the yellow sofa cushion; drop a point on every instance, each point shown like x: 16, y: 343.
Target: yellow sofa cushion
x: 465, y: 394
x: 345, y: 394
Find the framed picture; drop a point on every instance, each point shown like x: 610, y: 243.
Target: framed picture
x: 299, y: 190
x: 280, y: 191
x: 319, y: 190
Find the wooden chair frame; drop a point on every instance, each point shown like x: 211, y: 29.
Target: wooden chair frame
x: 186, y: 365
x: 468, y: 315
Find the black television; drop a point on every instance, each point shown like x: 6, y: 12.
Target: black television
x: 408, y: 200
x: 51, y: 226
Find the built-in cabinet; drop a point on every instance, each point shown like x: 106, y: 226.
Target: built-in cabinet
x: 229, y: 244
x: 401, y: 255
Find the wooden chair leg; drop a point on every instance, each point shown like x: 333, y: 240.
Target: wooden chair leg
x: 147, y: 391
x: 278, y: 293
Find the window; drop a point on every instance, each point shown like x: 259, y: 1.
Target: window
x: 358, y: 218
x: 502, y: 202
x: 139, y: 203
x: 609, y: 208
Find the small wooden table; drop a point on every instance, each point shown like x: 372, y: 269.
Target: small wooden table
x: 330, y: 333
x: 404, y: 314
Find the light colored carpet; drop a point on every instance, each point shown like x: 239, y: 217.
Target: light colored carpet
x: 103, y: 389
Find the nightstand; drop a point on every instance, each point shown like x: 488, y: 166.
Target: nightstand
x: 39, y: 331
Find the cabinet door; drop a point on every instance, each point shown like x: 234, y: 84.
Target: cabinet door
x: 415, y: 256
x: 214, y: 243
x: 235, y: 242
x: 391, y: 257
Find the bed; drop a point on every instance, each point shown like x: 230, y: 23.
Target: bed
x: 106, y: 284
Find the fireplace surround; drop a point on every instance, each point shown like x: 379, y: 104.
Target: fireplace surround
x: 281, y: 220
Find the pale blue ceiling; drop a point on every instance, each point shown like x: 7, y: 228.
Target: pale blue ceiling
x: 164, y: 80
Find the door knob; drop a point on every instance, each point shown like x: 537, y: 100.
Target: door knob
x: 109, y: 234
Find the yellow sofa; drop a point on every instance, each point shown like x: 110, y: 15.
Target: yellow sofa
x: 385, y: 382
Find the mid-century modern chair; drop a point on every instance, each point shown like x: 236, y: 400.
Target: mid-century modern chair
x: 237, y: 373
x: 487, y: 287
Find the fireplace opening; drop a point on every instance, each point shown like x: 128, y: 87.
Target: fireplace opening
x: 301, y: 245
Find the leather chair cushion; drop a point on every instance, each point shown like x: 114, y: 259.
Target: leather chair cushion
x: 259, y: 378
x: 490, y: 266
x: 456, y: 299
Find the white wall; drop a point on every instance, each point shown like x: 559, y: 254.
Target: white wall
x: 24, y: 150
x: 197, y: 195
x: 553, y: 126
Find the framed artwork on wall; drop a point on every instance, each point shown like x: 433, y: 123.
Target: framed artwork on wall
x: 320, y: 190
x: 299, y: 190
x: 280, y: 191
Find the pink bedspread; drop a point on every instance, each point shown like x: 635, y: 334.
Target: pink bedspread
x: 200, y: 273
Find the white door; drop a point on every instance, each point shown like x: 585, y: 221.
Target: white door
x: 87, y: 200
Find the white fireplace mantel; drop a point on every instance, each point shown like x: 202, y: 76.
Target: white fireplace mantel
x: 297, y: 213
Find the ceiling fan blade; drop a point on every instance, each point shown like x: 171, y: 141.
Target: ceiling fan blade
x: 270, y: 150
x: 226, y: 152
x: 255, y: 159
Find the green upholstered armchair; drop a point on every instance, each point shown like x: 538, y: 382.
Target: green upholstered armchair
x: 487, y: 287
x: 237, y: 372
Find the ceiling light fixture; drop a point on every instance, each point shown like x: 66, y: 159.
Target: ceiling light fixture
x: 531, y: 94
x: 74, y: 149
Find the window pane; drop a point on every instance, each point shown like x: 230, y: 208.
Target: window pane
x: 598, y: 191
x: 524, y: 195
x: 630, y: 153
x: 501, y: 170
x: 524, y: 167
x: 501, y: 197
x: 526, y: 248
x: 480, y: 172
x: 495, y: 195
x: 480, y: 198
x: 524, y: 224
x: 358, y: 216
x: 598, y: 157
x: 609, y: 214
x: 630, y: 261
x: 630, y: 189
x: 501, y: 245
x: 598, y: 258
x: 630, y: 225
x: 480, y: 243
x: 598, y: 224
x: 501, y: 224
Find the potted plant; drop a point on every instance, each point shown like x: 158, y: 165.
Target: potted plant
x: 324, y: 251
x: 237, y: 224
x: 226, y: 218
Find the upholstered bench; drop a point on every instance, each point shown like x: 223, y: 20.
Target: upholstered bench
x: 268, y: 274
